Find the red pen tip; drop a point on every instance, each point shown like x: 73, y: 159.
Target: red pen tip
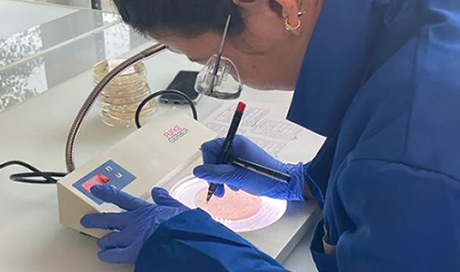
x: 241, y: 107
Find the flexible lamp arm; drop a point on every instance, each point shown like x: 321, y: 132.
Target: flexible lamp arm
x: 89, y: 102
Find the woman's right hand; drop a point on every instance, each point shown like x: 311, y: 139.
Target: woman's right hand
x: 238, y: 178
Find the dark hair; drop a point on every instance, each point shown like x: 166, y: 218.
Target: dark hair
x: 185, y: 17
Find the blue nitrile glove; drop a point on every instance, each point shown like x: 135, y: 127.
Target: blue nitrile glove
x: 134, y: 226
x: 237, y: 177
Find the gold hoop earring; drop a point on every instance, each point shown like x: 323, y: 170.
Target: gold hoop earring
x: 288, y: 26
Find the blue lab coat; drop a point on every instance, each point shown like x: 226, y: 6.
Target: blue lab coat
x: 381, y: 79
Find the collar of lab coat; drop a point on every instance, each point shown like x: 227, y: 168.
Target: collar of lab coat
x: 333, y: 66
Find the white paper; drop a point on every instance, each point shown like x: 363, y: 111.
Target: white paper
x: 265, y: 124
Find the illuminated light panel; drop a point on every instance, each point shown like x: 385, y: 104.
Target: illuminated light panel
x: 270, y: 211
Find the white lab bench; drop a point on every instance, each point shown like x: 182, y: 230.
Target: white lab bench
x: 35, y: 131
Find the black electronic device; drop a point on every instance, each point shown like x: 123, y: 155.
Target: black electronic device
x: 185, y: 83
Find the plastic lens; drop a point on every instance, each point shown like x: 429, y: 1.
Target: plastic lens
x: 226, y: 84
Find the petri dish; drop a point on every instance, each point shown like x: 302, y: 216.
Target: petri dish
x: 268, y: 210
x: 121, y: 97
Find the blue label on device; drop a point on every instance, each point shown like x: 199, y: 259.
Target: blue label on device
x: 110, y: 173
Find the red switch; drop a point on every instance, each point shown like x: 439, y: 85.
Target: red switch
x: 87, y: 185
x: 102, y: 178
x: 98, y: 179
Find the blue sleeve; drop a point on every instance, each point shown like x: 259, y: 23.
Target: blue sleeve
x: 193, y: 241
x: 404, y: 218
x: 317, y: 187
x: 318, y: 170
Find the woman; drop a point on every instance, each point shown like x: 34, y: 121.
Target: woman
x: 379, y: 80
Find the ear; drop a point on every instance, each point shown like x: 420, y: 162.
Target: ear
x: 287, y: 9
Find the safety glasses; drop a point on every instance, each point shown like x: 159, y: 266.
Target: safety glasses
x: 220, y: 78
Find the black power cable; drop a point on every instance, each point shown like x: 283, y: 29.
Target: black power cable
x: 170, y: 91
x: 36, y: 176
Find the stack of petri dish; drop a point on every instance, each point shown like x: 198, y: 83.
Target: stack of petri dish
x: 121, y: 97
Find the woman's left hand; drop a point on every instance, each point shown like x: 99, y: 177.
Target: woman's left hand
x: 132, y: 227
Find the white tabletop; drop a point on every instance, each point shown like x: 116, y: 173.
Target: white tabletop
x: 35, y: 131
